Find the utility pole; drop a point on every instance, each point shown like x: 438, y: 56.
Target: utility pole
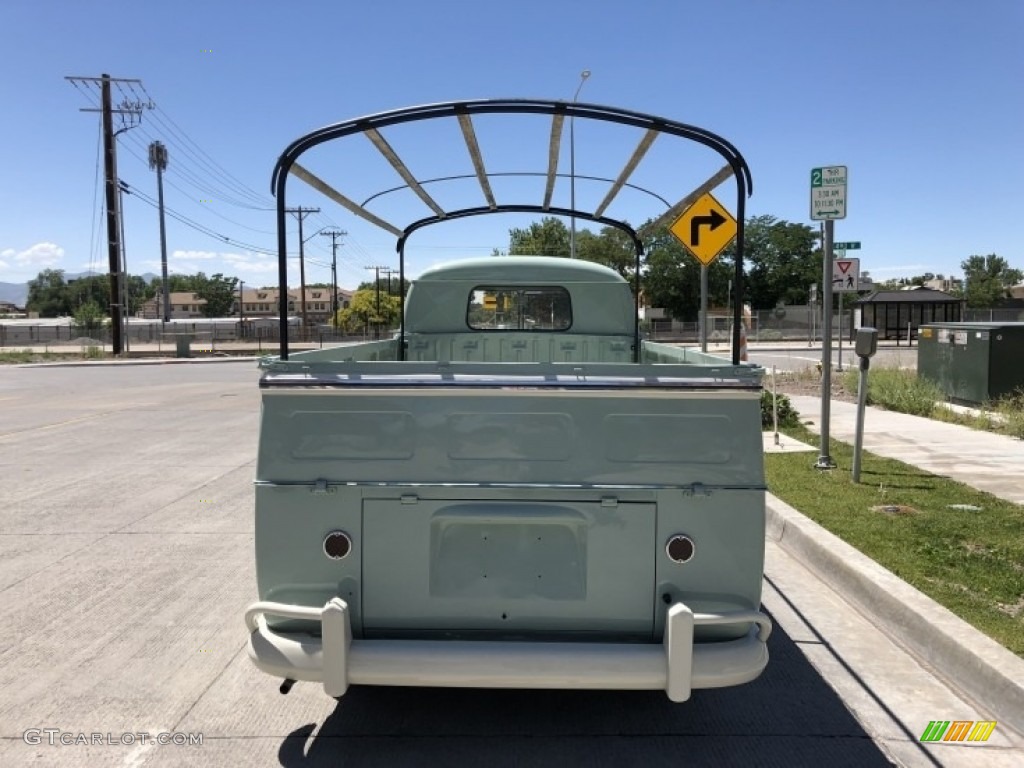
x: 387, y: 274
x: 241, y: 308
x: 334, y: 234
x: 107, y: 111
x: 113, y: 214
x: 300, y: 214
x: 376, y: 271
x: 158, y: 160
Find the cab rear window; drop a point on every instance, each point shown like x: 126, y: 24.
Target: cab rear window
x: 519, y: 308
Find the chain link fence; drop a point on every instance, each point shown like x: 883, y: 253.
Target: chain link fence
x: 263, y: 335
x: 793, y: 324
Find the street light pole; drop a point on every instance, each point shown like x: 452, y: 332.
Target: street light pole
x: 572, y: 167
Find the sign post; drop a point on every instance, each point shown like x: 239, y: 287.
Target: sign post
x: 828, y: 202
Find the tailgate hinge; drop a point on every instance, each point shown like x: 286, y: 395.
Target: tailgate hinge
x: 320, y: 487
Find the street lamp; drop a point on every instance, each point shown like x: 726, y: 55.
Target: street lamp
x: 572, y: 167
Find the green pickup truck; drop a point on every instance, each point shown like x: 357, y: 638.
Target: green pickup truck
x: 515, y: 491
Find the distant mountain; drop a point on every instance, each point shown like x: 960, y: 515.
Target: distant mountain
x: 17, y: 293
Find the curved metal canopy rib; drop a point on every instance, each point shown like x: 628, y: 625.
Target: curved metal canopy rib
x: 463, y: 111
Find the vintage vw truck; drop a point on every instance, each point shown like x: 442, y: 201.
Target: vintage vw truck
x: 513, y: 491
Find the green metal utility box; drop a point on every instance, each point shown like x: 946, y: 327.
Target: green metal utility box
x: 183, y: 343
x: 973, y: 363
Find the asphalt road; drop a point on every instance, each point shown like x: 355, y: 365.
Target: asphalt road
x: 126, y: 561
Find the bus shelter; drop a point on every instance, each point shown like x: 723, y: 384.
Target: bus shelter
x: 899, y: 314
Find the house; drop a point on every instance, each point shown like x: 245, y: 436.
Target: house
x: 256, y: 303
x: 184, y: 304
x: 264, y: 302
x: 946, y: 285
x: 10, y: 309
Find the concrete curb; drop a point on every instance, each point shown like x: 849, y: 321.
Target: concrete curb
x: 959, y: 653
x: 139, y: 361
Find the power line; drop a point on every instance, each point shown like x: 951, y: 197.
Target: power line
x: 195, y: 225
x: 190, y: 177
x: 94, y: 237
x: 193, y: 177
x: 207, y: 209
x: 162, y: 117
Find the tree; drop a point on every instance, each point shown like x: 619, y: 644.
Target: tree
x: 362, y: 310
x: 781, y: 261
x: 90, y: 289
x: 671, y: 278
x: 220, y: 292
x: 611, y: 247
x: 180, y: 283
x: 48, y: 294
x: 138, y: 293
x: 988, y: 279
x: 388, y: 285
x: 548, y: 237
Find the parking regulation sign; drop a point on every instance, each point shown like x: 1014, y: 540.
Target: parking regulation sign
x: 828, y: 193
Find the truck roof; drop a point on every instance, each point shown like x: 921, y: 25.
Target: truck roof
x: 522, y: 269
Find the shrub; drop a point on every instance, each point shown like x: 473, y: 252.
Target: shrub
x: 89, y: 317
x: 1011, y: 412
x: 769, y: 334
x: 788, y: 417
x: 897, y: 389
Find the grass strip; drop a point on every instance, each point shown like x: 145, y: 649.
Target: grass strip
x: 970, y: 561
x: 20, y: 357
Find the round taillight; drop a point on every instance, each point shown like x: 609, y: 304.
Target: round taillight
x: 337, y: 545
x: 680, y: 548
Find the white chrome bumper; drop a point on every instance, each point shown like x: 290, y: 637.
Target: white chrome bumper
x: 676, y: 666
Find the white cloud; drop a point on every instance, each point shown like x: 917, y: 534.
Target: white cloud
x: 189, y: 255
x: 3, y: 264
x: 250, y: 262
x: 183, y: 262
x: 265, y: 267
x: 900, y: 268
x: 38, y: 255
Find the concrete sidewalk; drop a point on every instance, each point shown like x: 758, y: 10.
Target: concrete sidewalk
x: 982, y: 460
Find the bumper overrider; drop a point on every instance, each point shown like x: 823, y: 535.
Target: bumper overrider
x: 676, y: 666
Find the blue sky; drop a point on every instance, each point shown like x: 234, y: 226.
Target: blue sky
x: 920, y: 99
